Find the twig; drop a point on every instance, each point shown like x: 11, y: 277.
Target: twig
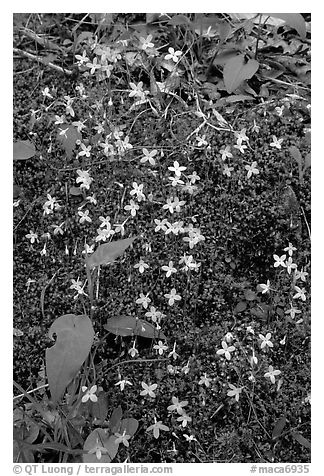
x: 39, y: 59
x: 30, y: 391
x: 307, y: 225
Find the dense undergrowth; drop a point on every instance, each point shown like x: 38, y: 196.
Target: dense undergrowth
x: 236, y: 210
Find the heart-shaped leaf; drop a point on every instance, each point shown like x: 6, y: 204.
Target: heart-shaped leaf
x: 129, y: 326
x: 295, y: 20
x: 240, y: 307
x: 236, y: 70
x: 67, y: 136
x: 129, y: 425
x: 23, y: 150
x: 301, y: 439
x: 99, y: 409
x: 100, y: 447
x: 108, y: 252
x: 74, y: 338
x: 114, y: 420
x: 278, y: 427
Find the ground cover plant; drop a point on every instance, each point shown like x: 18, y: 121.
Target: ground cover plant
x: 161, y: 238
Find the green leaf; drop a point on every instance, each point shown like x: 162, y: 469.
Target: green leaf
x: 108, y: 252
x: 129, y: 425
x: 108, y: 447
x: 114, y: 420
x: 240, y: 307
x: 307, y: 161
x: 23, y: 150
x: 303, y: 441
x: 75, y: 191
x: 236, y: 70
x: 67, y: 135
x: 295, y: 20
x: 249, y: 295
x: 178, y: 20
x: 99, y: 409
x: 129, y: 326
x: 295, y: 153
x: 278, y: 427
x: 74, y: 338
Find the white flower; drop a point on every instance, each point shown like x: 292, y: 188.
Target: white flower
x: 226, y: 153
x: 148, y: 156
x: 144, y: 300
x: 177, y: 168
x: 184, y: 418
x: 141, y: 266
x: 174, y: 55
x: 84, y: 216
x: 32, y: 236
x: 226, y: 350
x: 204, y: 380
x: 172, y: 297
x: 173, y: 352
x: 251, y: 169
x: 132, y: 207
x: 177, y: 406
x: 272, y: 374
x: 160, y: 347
x: 276, y: 142
x: 138, y: 191
x: 148, y: 389
x: 169, y: 269
x: 279, y: 261
x: 266, y: 340
x: 146, y: 42
x: 300, y: 293
x: 265, y: 287
x: 227, y: 170
x: 90, y: 394
x: 122, y: 383
x: 235, y: 392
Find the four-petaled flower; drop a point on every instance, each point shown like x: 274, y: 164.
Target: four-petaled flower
x: 172, y: 297
x: 301, y: 275
x: 84, y: 216
x: 122, y: 383
x: 204, y: 380
x: 177, y: 168
x: 276, y: 142
x: 235, y: 392
x: 90, y: 394
x: 279, y: 261
x: 174, y: 55
x: 122, y: 438
x: 148, y: 389
x: 184, y: 418
x: 169, y: 269
x: 141, y: 266
x: 158, y: 425
x: 177, y: 406
x: 290, y: 265
x: 266, y: 340
x: 226, y: 153
x: 293, y: 311
x: 173, y: 352
x: 227, y: 170
x: 146, y: 42
x: 144, y: 300
x: 226, y: 350
x: 300, y: 293
x: 290, y: 248
x: 272, y: 374
x: 160, y: 347
x: 32, y: 236
x: 98, y: 450
x: 251, y: 169
x: 132, y: 207
x: 265, y: 287
x: 148, y: 156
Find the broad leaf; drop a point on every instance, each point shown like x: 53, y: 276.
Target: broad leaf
x: 114, y: 420
x: 23, y: 150
x: 307, y: 161
x: 278, y: 427
x: 67, y: 136
x: 303, y: 441
x: 108, y: 252
x: 249, y: 295
x: 75, y: 191
x: 129, y: 326
x: 295, y: 153
x: 236, y: 70
x: 99, y: 409
x: 240, y: 307
x: 129, y: 425
x: 74, y: 338
x: 295, y: 20
x: 100, y: 446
